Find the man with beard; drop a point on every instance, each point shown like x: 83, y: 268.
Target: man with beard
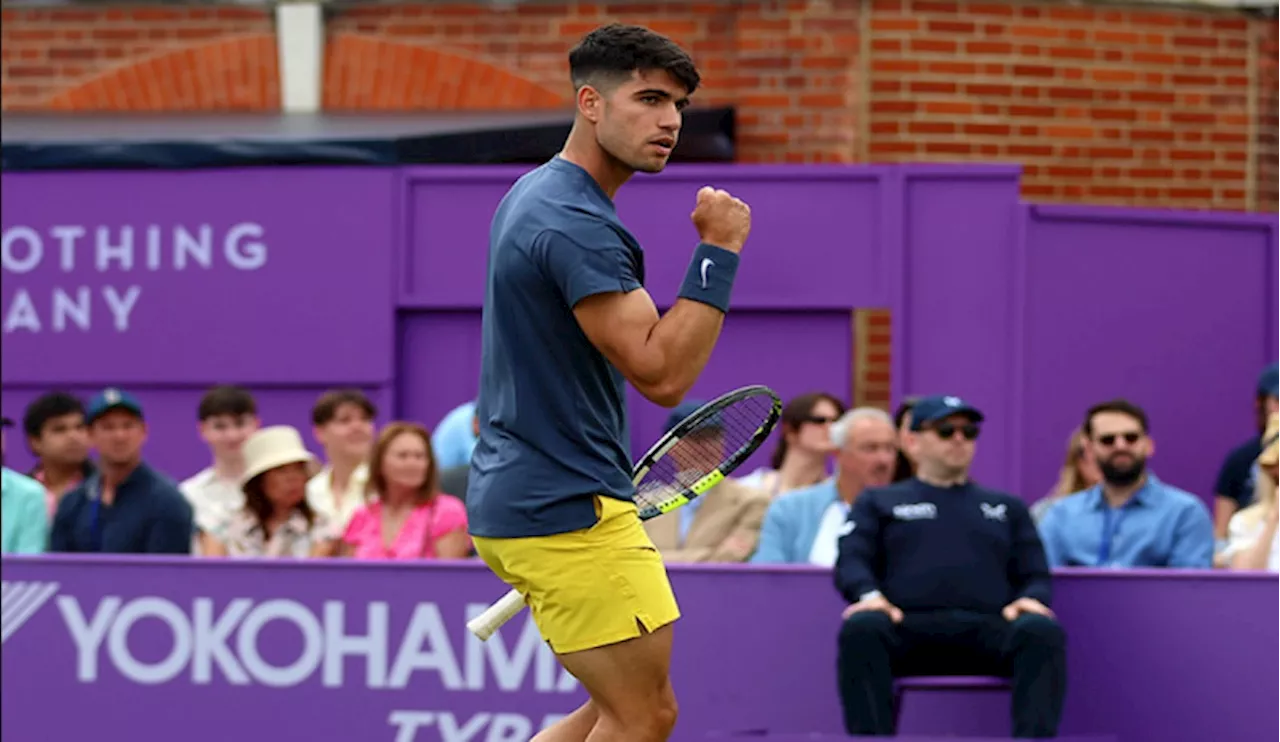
x: 945, y: 577
x: 1131, y: 518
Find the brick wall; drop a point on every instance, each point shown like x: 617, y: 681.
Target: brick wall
x: 143, y: 58
x: 1147, y: 106
x: 1268, y: 86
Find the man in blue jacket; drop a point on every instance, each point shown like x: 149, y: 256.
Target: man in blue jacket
x: 945, y: 577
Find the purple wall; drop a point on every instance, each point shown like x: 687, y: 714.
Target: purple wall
x: 374, y: 278
x: 755, y: 653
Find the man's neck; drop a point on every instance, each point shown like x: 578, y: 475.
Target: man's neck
x: 228, y: 469
x: 59, y: 479
x: 1118, y: 495
x: 941, y: 480
x: 848, y: 487
x: 340, y: 473
x: 112, y: 476
x: 800, y: 471
x: 582, y: 150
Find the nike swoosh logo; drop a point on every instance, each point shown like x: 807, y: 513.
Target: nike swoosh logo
x: 706, y: 263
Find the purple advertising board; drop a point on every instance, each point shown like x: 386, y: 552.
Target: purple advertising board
x: 296, y: 280
x: 151, y: 650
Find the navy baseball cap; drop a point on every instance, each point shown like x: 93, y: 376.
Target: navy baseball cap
x: 936, y: 407
x: 112, y: 399
x: 1269, y: 381
x: 685, y: 409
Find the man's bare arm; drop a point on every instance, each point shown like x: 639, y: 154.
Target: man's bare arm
x: 660, y: 356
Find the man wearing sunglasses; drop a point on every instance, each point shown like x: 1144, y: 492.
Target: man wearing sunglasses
x: 1131, y: 518
x: 945, y: 577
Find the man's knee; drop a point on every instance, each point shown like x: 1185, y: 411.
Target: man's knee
x: 1041, y: 631
x: 650, y: 721
x: 865, y: 629
x: 665, y: 712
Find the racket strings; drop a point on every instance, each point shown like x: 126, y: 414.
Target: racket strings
x: 727, y: 436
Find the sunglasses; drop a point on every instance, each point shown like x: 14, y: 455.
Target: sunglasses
x: 946, y: 431
x: 1110, y: 438
x: 818, y: 420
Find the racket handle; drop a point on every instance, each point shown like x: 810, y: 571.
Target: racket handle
x: 496, y: 615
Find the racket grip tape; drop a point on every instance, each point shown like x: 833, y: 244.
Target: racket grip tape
x: 484, y: 625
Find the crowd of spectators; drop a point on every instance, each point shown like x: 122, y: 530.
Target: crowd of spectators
x: 374, y: 495
x: 401, y: 489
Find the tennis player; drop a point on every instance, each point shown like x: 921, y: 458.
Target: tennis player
x: 566, y: 323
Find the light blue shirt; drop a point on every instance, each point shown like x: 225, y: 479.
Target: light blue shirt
x: 791, y: 524
x: 453, y: 439
x: 1160, y: 526
x: 686, y: 516
x: 24, y: 514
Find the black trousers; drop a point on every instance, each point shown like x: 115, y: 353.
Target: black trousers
x: 1031, y: 651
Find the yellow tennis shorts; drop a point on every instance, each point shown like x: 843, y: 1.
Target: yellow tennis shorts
x: 592, y: 587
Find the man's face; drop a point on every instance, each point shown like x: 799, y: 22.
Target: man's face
x: 638, y: 121
x: 349, y: 434
x: 63, y: 441
x: 118, y: 436
x: 947, y: 444
x: 226, y: 434
x: 1120, y: 447
x: 869, y: 453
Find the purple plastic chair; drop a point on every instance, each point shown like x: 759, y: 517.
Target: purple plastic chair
x: 971, y: 683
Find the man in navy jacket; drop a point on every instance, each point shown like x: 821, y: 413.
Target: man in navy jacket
x: 945, y: 577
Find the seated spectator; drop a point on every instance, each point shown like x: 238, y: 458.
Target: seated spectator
x: 1131, y: 518
x: 1238, y: 477
x: 405, y: 515
x: 227, y: 415
x: 1079, y: 472
x: 455, y: 437
x: 945, y: 577
x: 723, y: 524
x: 276, y: 520
x: 1254, y: 542
x: 453, y: 479
x: 125, y: 507
x: 59, y: 439
x: 343, y: 424
x: 905, y: 467
x: 24, y: 517
x: 800, y: 460
x: 802, y: 526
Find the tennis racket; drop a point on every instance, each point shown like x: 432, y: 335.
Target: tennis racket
x: 696, y: 455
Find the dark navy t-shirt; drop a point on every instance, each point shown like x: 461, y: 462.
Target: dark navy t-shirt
x: 552, y: 409
x: 1237, y: 475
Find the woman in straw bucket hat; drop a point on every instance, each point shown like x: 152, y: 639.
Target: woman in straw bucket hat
x: 1253, y: 540
x: 276, y: 520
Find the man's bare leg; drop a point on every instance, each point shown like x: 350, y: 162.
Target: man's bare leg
x: 630, y: 687
x: 573, y: 728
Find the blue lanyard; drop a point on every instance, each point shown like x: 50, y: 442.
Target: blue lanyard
x: 95, y: 522
x: 1110, y: 525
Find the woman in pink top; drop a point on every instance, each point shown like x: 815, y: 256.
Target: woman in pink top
x: 405, y: 516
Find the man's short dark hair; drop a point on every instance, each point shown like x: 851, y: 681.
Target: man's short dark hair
x: 1122, y: 406
x: 611, y: 53
x: 226, y: 399
x: 45, y: 408
x: 326, y: 407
